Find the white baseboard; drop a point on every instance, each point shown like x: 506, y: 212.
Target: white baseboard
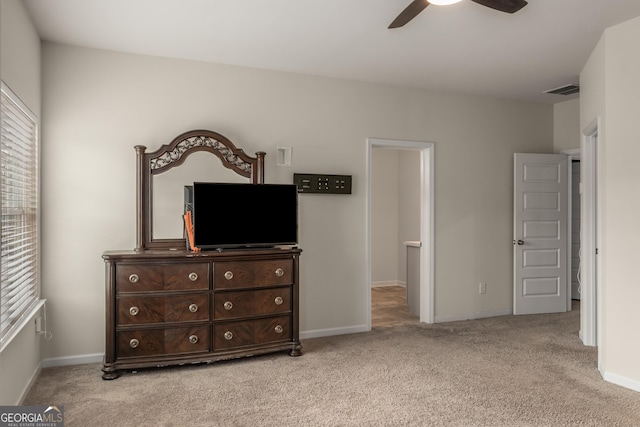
x: 333, y: 331
x: 473, y: 316
x: 388, y: 283
x: 621, y: 381
x: 363, y: 328
x: 81, y: 359
x: 30, y: 383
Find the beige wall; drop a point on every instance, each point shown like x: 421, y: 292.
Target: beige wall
x: 384, y: 216
x: 409, y: 180
x: 395, y: 212
x: 566, y: 125
x: 20, y: 53
x: 99, y: 104
x: 614, y: 95
x: 20, y: 70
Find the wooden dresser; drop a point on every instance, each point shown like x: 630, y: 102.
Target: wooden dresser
x: 168, y: 305
x: 175, y: 307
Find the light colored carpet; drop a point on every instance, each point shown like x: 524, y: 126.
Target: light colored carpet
x: 504, y: 371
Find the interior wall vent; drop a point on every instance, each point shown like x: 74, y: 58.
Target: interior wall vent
x: 564, y: 90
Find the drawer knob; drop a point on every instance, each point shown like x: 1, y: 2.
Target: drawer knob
x: 228, y: 275
x: 228, y: 335
x: 228, y: 305
x: 134, y: 278
x: 278, y: 300
x: 193, y: 339
x: 278, y: 329
x: 134, y: 311
x: 134, y: 343
x: 193, y: 276
x: 279, y: 272
x: 193, y: 308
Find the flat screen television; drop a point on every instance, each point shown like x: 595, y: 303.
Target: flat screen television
x: 230, y: 215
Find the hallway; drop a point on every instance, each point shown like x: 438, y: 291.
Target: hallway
x: 389, y: 307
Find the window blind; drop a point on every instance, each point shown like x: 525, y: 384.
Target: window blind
x: 19, y: 228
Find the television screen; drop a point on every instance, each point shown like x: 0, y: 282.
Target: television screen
x: 229, y: 215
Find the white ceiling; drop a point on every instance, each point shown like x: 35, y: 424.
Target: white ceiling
x: 465, y: 48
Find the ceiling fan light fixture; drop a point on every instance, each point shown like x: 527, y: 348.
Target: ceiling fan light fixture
x: 417, y: 6
x: 444, y: 2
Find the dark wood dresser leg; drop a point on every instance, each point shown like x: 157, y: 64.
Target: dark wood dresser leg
x: 296, y: 350
x: 109, y: 373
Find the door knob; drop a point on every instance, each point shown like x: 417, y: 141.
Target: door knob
x: 520, y: 242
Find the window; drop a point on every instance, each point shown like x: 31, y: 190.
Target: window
x: 19, y: 228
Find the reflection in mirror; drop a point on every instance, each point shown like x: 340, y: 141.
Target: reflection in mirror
x: 168, y: 190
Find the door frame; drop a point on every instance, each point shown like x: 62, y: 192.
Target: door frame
x: 590, y: 271
x: 427, y: 185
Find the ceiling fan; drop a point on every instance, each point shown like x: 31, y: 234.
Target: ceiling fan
x: 417, y: 6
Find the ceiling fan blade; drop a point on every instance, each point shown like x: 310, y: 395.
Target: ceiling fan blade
x: 410, y: 12
x: 508, y: 6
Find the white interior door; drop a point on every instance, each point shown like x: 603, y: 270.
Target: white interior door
x: 540, y: 245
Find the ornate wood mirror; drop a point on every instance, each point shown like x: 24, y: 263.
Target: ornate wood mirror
x: 172, y: 155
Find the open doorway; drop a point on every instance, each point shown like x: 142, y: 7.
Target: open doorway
x: 590, y: 237
x: 575, y: 229
x: 409, y: 210
x: 395, y: 220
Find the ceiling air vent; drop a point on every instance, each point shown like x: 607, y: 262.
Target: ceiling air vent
x: 564, y: 90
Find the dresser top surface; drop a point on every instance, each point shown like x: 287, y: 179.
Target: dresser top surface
x: 182, y: 254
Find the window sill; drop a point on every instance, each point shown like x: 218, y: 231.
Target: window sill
x: 17, y: 328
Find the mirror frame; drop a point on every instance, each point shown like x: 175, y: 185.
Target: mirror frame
x: 172, y: 155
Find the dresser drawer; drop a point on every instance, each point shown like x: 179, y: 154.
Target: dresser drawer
x: 251, y: 274
x: 157, y: 342
x: 161, y: 277
x: 160, y: 309
x: 251, y: 332
x: 235, y: 304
